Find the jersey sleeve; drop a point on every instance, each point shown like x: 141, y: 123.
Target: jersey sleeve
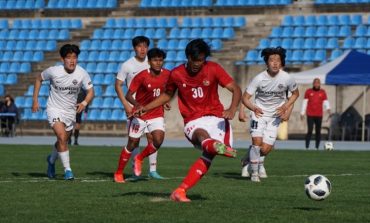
x: 325, y: 96
x: 223, y: 77
x: 46, y: 74
x: 252, y: 87
x: 122, y: 73
x: 135, y: 83
x: 292, y: 85
x: 86, y: 81
x: 171, y: 84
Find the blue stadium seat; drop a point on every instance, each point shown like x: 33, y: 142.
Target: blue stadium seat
x: 356, y: 19
x: 160, y: 33
x: 117, y: 103
x: 42, y: 102
x: 287, y: 43
x: 217, y: 33
x: 150, y: 33
x: 172, y: 44
x: 4, y: 24
x: 4, y: 67
x: 2, y: 78
x: 44, y: 90
x: 105, y: 115
x: 344, y: 20
x: 240, y: 21
x: 332, y: 43
x: 162, y: 44
x: 51, y: 45
x: 287, y: 32
x: 321, y: 31
x: 275, y: 42
x: 108, y: 101
x: 101, y: 67
x: 297, y: 56
x: 90, y: 67
x: 27, y: 113
x: 19, y: 101
x: 276, y: 32
x: 322, y: 20
x: 310, y: 20
x: 97, y: 102
x: 171, y: 56
x: 174, y: 33
x: 320, y: 56
x: 298, y: 43
x: 320, y: 43
x: 360, y: 43
x: 333, y: 31
x: 335, y: 54
x: 25, y: 67
x: 93, y: 56
x: 361, y: 30
x: 308, y: 55
x: 264, y: 43
x: 108, y: 33
x: 169, y: 65
x: 216, y: 44
x: 309, y: 43
x: 112, y: 67
x: 118, y: 115
x: 2, y: 90
x: 298, y: 20
x: 11, y: 79
x: 333, y: 20
x: 98, y: 90
x: 287, y: 21
x: 344, y: 31
x: 104, y: 55
x: 124, y: 55
x: 29, y: 91
x: 110, y: 92
x: 98, y: 79
x: 348, y: 43
x: 228, y: 33
x: 94, y: 114
x: 298, y: 31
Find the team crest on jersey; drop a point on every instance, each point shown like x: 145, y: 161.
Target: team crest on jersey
x: 149, y: 86
x: 280, y: 86
x: 206, y: 82
x: 183, y: 85
x: 74, y: 82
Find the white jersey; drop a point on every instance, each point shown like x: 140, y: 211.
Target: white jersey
x: 64, y: 87
x: 131, y: 68
x: 271, y: 92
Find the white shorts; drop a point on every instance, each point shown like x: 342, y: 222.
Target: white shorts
x: 57, y: 115
x: 265, y: 127
x: 138, y: 127
x: 217, y: 128
x: 128, y: 127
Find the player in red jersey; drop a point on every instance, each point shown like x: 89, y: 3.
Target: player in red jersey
x: 206, y: 121
x: 147, y: 85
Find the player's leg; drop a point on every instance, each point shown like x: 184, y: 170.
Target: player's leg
x: 318, y: 122
x: 76, y: 133
x: 158, y: 136
x: 269, y: 138
x: 135, y: 129
x: 51, y: 158
x: 62, y: 135
x: 153, y: 173
x: 310, y: 122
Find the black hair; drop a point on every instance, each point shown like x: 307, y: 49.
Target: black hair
x: 197, y: 47
x: 267, y: 52
x: 69, y: 48
x: 140, y: 39
x: 156, y: 52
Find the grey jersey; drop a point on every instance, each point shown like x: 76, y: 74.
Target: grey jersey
x: 271, y: 92
x: 64, y: 87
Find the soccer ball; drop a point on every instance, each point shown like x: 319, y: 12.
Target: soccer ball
x: 317, y: 187
x: 328, y: 146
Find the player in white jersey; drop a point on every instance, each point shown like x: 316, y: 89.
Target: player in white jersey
x: 127, y: 72
x: 271, y: 106
x: 65, y: 83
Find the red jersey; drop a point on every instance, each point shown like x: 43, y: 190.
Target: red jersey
x: 148, y: 87
x: 315, y: 102
x: 198, y: 95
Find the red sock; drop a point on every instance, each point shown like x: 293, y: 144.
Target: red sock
x: 123, y: 159
x: 196, y: 172
x: 149, y: 149
x: 208, y: 145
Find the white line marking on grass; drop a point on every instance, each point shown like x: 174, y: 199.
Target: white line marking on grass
x: 130, y: 179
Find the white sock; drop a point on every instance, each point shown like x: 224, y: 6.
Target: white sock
x: 53, y: 155
x: 134, y: 153
x: 153, y: 162
x: 254, y: 157
x: 261, y: 161
x: 64, y: 157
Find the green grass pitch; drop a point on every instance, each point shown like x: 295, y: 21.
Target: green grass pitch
x: 221, y: 196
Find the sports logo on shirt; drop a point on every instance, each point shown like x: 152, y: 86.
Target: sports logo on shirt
x: 75, y: 82
x: 183, y: 85
x: 206, y: 82
x: 280, y: 86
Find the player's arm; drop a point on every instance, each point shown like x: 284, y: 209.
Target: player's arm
x: 36, y: 90
x: 121, y: 96
x: 242, y: 115
x: 161, y: 100
x: 89, y: 96
x: 235, y: 100
x: 286, y: 115
x: 130, y: 98
x: 284, y: 108
x: 246, y: 100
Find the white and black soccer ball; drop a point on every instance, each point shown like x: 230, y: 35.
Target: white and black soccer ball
x: 329, y: 146
x: 317, y: 187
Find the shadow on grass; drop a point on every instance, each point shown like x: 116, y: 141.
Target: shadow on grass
x: 102, y: 174
x: 308, y: 208
x: 229, y: 175
x: 34, y: 175
x: 166, y: 196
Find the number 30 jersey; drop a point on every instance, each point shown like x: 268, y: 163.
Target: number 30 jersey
x: 198, y: 95
x: 147, y: 88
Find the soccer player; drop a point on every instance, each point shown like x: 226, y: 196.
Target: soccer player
x: 271, y: 105
x: 65, y: 83
x: 314, y: 100
x: 206, y: 121
x: 147, y: 85
x: 76, y: 131
x: 127, y: 72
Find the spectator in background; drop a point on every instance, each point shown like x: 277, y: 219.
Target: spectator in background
x: 8, y: 122
x: 314, y: 100
x: 81, y: 96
